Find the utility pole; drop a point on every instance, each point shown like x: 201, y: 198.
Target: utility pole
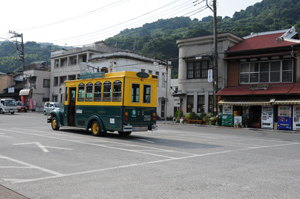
x: 215, y: 77
x: 166, y: 96
x: 21, y: 56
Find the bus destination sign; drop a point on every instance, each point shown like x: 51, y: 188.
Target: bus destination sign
x: 92, y: 75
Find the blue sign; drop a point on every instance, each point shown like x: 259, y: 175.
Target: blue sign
x: 210, y: 75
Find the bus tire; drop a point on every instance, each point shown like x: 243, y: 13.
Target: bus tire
x: 54, y: 124
x: 96, y: 130
x: 121, y: 133
x: 12, y: 113
x: 1, y: 111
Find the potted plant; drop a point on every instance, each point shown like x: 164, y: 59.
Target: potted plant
x: 213, y: 120
x: 245, y: 121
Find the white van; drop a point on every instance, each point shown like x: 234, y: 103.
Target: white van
x: 8, y: 106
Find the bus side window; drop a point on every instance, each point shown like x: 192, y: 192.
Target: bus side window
x: 107, y: 91
x: 80, y: 92
x: 89, y: 92
x: 117, y: 91
x: 97, y: 91
x: 67, y: 90
x: 147, y: 94
x: 135, y: 93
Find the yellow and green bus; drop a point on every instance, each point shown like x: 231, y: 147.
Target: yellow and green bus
x: 121, y: 101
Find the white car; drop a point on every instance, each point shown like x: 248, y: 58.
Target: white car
x: 49, y: 106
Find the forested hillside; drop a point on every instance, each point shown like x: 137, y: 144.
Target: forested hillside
x: 158, y: 39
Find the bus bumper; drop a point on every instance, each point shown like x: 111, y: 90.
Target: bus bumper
x: 130, y: 128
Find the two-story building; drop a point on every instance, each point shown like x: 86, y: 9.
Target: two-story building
x: 195, y: 60
x: 262, y: 78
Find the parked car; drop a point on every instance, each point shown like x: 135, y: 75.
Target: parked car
x: 8, y: 106
x: 21, y: 106
x: 49, y: 106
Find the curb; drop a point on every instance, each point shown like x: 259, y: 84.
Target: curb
x: 16, y: 190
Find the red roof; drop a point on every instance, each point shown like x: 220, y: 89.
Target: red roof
x: 261, y: 42
x: 280, y: 88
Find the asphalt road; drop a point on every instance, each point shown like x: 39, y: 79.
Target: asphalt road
x: 177, y: 161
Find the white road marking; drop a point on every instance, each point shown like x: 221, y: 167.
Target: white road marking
x: 146, y: 141
x: 43, y: 148
x: 105, y: 146
x: 15, y: 181
x: 31, y: 166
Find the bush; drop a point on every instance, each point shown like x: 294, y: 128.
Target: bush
x: 192, y: 116
x: 187, y: 116
x: 202, y: 115
x: 178, y: 113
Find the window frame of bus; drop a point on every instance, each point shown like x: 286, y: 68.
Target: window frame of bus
x: 89, y: 85
x: 67, y: 91
x: 106, y: 99
x: 80, y: 86
x: 97, y: 98
x: 145, y: 94
x: 118, y: 93
x: 134, y: 94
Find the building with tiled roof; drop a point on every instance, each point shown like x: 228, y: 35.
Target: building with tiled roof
x: 263, y: 71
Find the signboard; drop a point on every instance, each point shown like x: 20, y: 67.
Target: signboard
x: 142, y: 75
x: 11, y: 90
x: 92, y: 75
x: 210, y: 75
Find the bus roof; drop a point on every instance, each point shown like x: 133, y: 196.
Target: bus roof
x: 119, y: 74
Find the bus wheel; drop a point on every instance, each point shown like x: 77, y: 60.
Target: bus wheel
x: 54, y: 124
x: 95, y: 128
x: 121, y: 133
x: 1, y: 111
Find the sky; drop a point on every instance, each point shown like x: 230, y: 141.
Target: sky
x: 77, y: 23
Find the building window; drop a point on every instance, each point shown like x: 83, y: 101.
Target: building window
x: 190, y: 103
x: 46, y: 83
x: 135, y: 93
x: 143, y: 70
x: 147, y: 94
x: 55, y: 82
x: 157, y: 73
x: 80, y: 92
x: 117, y: 91
x: 163, y: 80
x: 54, y: 98
x: 150, y: 72
x: 198, y: 69
x: 45, y: 99
x: 266, y: 72
x: 62, y: 79
x: 89, y: 92
x: 201, y: 104
x: 97, y: 92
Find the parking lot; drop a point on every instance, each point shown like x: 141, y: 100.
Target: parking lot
x: 177, y: 161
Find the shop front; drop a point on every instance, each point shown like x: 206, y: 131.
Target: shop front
x: 262, y: 112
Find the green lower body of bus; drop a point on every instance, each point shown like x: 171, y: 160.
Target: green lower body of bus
x: 109, y: 118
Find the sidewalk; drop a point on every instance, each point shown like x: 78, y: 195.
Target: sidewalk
x: 8, y: 191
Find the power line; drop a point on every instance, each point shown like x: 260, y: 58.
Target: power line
x: 79, y: 16
x: 192, y: 13
x: 122, y: 23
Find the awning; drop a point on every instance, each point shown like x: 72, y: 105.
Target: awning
x: 24, y: 92
x: 287, y: 101
x: 179, y: 94
x: 246, y: 102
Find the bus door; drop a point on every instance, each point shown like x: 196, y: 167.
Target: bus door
x: 72, y: 105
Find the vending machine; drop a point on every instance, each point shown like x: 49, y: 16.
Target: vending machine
x: 267, y: 117
x: 284, y: 118
x: 296, y: 118
x: 227, y: 115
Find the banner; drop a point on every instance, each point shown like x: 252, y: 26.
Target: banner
x: 31, y: 104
